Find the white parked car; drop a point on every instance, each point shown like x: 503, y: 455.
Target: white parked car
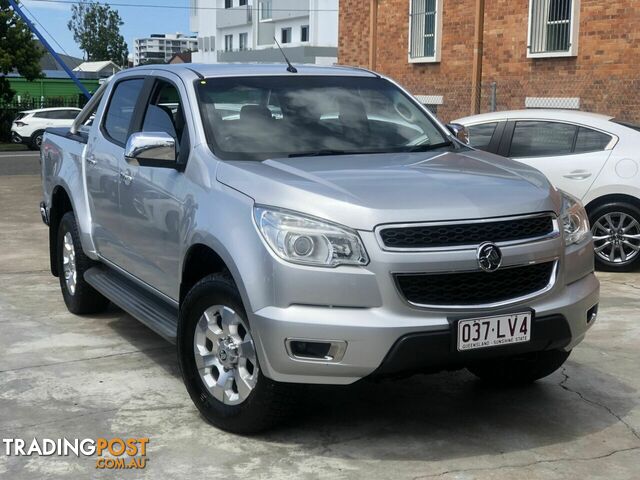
x: 593, y: 157
x: 29, y: 125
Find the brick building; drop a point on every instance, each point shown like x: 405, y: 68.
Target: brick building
x: 461, y: 56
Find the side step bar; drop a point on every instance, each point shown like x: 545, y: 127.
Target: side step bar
x: 154, y: 312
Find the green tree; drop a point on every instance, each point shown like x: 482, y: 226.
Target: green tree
x: 96, y: 30
x: 18, y: 50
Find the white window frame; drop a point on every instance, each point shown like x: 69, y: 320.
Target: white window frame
x: 261, y: 6
x: 243, y: 45
x: 574, y: 29
x: 289, y: 31
x: 437, y: 34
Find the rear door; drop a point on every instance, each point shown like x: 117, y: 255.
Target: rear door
x: 570, y: 155
x: 104, y: 154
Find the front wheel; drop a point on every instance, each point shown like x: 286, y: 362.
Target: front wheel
x: 520, y: 369
x: 219, y: 363
x: 616, y: 236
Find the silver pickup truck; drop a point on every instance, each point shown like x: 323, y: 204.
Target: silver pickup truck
x: 310, y: 225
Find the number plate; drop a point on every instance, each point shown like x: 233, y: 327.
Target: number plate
x: 494, y: 331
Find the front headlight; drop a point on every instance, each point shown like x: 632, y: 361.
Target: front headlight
x: 574, y: 219
x: 296, y: 238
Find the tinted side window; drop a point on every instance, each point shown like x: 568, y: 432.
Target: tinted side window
x: 120, y: 110
x: 70, y: 114
x: 591, y: 141
x: 480, y: 135
x: 165, y: 113
x: 541, y: 139
x: 42, y: 115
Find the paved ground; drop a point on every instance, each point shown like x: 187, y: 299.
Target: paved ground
x: 80, y: 377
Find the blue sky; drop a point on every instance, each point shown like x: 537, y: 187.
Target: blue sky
x: 138, y: 21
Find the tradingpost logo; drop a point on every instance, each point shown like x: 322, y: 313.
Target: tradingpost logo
x: 110, y: 453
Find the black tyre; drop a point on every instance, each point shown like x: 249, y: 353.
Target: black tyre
x: 219, y: 363
x: 36, y: 140
x: 521, y: 369
x: 79, y: 296
x: 616, y: 236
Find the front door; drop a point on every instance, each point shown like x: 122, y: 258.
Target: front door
x: 153, y: 199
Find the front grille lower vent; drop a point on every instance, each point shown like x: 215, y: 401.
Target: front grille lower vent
x: 475, y: 288
x: 456, y: 234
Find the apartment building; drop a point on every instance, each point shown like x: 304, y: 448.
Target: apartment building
x: 244, y: 30
x: 160, y: 47
x: 464, y: 56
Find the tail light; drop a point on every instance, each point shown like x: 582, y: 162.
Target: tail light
x: 20, y: 124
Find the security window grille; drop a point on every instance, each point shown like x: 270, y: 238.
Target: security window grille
x: 423, y: 27
x: 550, y: 26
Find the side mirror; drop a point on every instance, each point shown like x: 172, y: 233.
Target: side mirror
x: 151, y: 149
x: 459, y: 131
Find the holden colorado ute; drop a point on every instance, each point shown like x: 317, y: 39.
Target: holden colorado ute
x: 309, y: 225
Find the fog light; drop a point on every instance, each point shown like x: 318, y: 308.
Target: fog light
x: 592, y: 313
x: 316, y: 350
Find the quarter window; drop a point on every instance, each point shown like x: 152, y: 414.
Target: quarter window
x: 424, y: 30
x: 591, y: 140
x: 120, y: 112
x: 542, y: 139
x: 480, y: 135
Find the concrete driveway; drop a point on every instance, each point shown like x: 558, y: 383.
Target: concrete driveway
x: 107, y: 375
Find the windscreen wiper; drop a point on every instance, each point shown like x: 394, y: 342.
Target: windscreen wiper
x: 426, y: 147
x: 320, y: 153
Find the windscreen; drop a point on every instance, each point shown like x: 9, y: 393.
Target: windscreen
x: 255, y: 118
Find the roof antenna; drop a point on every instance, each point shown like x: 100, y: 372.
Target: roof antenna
x: 290, y: 68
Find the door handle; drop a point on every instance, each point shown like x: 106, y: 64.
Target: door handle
x: 577, y: 175
x: 126, y: 177
x: 91, y: 160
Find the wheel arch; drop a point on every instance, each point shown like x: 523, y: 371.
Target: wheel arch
x: 612, y: 198
x: 60, y: 204
x: 199, y: 261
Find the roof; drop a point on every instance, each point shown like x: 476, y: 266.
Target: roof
x: 181, y: 57
x: 577, y: 116
x: 96, y: 66
x: 247, y: 69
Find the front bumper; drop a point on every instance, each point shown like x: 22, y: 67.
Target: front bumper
x: 561, y: 319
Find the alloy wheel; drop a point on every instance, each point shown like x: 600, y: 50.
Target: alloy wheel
x: 225, y: 355
x: 69, y: 263
x: 616, y: 237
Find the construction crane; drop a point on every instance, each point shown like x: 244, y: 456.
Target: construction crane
x: 65, y: 67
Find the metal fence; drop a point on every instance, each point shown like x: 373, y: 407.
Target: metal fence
x: 616, y: 97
